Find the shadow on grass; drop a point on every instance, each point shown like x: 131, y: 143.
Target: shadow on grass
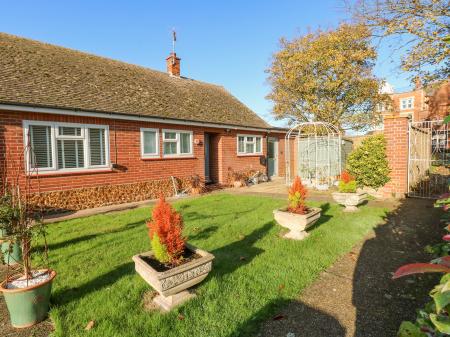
x: 68, y: 295
x: 283, y: 321
x: 204, y: 233
x: 239, y: 253
x: 79, y: 239
x: 324, y: 217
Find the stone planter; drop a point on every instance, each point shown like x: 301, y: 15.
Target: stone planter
x: 350, y: 200
x: 296, y: 223
x: 172, y: 284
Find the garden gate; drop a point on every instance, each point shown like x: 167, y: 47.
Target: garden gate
x: 428, y: 159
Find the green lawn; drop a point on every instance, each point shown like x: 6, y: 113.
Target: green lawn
x: 254, y: 268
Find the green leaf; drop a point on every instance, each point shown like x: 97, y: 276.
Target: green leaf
x: 408, y: 329
x: 441, y: 299
x: 441, y: 323
x: 447, y: 119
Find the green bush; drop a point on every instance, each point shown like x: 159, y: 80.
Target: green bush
x: 368, y: 162
x: 349, y: 187
x: 159, y: 250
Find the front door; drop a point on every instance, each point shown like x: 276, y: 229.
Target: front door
x: 272, y: 157
x: 207, y: 158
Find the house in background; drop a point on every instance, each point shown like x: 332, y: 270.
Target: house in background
x: 423, y: 103
x: 105, y: 132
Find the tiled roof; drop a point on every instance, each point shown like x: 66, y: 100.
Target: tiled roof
x: 44, y: 75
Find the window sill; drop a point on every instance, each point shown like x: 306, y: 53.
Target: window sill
x: 250, y: 155
x: 66, y: 173
x: 168, y: 158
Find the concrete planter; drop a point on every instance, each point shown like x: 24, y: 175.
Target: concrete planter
x: 172, y: 284
x: 296, y: 223
x: 350, y: 200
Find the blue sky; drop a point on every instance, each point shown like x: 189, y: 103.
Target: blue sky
x: 228, y: 42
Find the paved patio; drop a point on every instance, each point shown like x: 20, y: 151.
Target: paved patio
x: 277, y: 189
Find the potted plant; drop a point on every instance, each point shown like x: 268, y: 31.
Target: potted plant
x: 236, y: 179
x: 172, y: 266
x: 10, y: 249
x: 196, y: 184
x: 26, y: 290
x: 297, y: 217
x: 348, y: 195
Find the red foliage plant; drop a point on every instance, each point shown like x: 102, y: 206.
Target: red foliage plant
x: 297, y: 197
x: 167, y: 224
x: 346, y: 177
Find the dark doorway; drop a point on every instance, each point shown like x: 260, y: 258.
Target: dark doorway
x: 211, y: 158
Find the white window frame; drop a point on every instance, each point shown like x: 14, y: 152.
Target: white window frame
x: 178, y: 142
x: 406, y: 99
x: 54, y: 136
x: 149, y: 155
x: 245, y: 145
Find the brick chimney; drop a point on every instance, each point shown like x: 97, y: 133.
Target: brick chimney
x: 173, y: 64
x: 417, y: 83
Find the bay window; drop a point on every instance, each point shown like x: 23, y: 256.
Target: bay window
x: 249, y: 144
x: 66, y: 146
x: 177, y: 143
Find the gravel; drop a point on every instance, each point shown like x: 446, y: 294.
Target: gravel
x: 38, y: 277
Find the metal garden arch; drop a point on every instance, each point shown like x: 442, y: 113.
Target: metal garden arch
x: 313, y: 152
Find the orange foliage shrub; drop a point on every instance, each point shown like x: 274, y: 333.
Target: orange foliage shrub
x: 346, y: 177
x: 167, y: 225
x: 297, y: 197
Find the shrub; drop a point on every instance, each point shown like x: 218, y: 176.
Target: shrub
x: 297, y: 197
x: 368, y: 162
x: 165, y: 231
x: 347, y: 183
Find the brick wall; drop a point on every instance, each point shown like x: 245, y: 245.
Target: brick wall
x: 126, y: 153
x: 396, y: 134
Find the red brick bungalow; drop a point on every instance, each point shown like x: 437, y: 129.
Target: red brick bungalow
x: 104, y: 131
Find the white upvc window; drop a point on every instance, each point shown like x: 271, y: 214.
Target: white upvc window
x: 177, y: 143
x: 61, y: 147
x: 249, y: 144
x: 149, y: 143
x: 407, y: 103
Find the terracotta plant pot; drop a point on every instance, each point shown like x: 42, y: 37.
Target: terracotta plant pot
x: 172, y: 284
x: 296, y: 223
x: 28, y: 306
x: 350, y: 200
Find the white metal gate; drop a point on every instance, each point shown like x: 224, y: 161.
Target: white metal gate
x: 428, y: 159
